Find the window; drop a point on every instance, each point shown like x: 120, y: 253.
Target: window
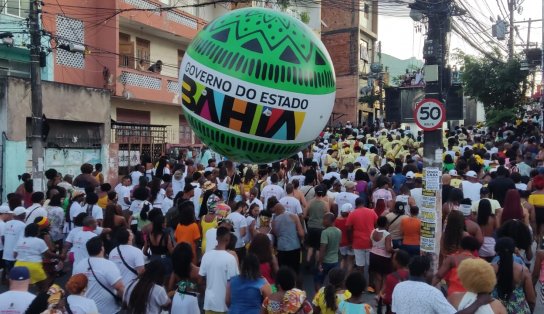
x: 143, y: 51
x: 181, y: 53
x: 17, y: 7
x: 363, y: 46
x: 70, y: 31
x: 126, y: 51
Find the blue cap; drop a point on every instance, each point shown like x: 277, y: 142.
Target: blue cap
x: 19, y: 273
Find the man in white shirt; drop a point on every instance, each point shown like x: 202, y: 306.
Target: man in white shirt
x: 272, y: 189
x: 98, y: 269
x: 240, y: 228
x: 211, y: 234
x: 78, y: 238
x: 417, y: 191
x: 5, y: 215
x: 363, y: 160
x: 178, y: 181
x: 92, y: 209
x: 217, y: 268
x: 123, y: 193
x: 471, y: 186
x: 17, y: 299
x: 415, y: 295
x: 36, y: 209
x: 332, y: 173
x: 346, y: 197
x: 290, y: 202
x: 253, y: 199
x: 168, y: 201
x: 13, y: 231
x: 137, y: 173
x: 128, y: 258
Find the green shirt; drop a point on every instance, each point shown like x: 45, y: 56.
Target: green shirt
x: 331, y: 238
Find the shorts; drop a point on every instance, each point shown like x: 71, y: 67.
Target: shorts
x: 35, y: 269
x: 313, y: 239
x: 380, y: 264
x: 362, y: 257
x: 346, y: 250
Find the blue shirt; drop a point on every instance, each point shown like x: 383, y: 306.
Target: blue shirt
x: 398, y: 180
x: 245, y: 295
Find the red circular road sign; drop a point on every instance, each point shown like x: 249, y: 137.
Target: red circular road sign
x: 429, y: 114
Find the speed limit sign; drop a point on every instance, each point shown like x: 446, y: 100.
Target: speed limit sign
x: 430, y: 114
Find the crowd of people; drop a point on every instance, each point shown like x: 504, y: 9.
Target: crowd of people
x: 198, y: 234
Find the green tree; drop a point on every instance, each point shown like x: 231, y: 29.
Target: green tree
x: 498, y: 85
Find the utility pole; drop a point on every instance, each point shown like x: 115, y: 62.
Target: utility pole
x: 529, y: 33
x: 511, y: 34
x: 380, y: 76
x: 542, y: 79
x: 36, y: 96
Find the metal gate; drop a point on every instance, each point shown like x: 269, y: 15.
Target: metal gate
x: 137, y: 143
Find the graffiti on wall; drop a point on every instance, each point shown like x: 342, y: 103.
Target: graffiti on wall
x: 66, y: 161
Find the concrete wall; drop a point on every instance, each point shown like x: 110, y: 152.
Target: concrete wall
x: 60, y: 101
x: 159, y: 114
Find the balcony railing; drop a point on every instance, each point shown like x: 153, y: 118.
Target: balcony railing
x: 147, y: 86
x: 173, y: 15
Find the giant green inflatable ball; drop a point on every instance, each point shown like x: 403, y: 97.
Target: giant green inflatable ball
x: 257, y: 85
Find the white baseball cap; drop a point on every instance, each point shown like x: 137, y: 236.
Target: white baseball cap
x: 346, y: 208
x: 4, y: 209
x: 19, y: 211
x: 453, y: 172
x: 410, y: 175
x: 471, y: 174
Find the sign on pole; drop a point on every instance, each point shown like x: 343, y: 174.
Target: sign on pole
x: 429, y: 114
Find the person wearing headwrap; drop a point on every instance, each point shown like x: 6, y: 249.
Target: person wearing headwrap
x: 295, y: 301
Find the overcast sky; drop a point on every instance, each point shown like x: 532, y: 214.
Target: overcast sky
x: 400, y: 40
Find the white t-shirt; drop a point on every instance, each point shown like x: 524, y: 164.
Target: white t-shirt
x: 291, y: 205
x: 95, y: 211
x: 471, y: 190
x: 13, y: 231
x: 157, y: 203
x: 156, y: 299
x: 33, y: 212
x: 2, y: 225
x: 196, y: 199
x: 75, y: 210
x: 239, y: 222
x: 133, y: 257
x: 82, y: 305
x: 167, y: 203
x: 108, y: 274
x: 332, y: 174
x: 249, y: 221
x: 416, y: 194
x: 30, y: 249
x: 272, y: 190
x: 122, y: 192
x: 211, y: 239
x: 178, y: 185
x: 79, y: 239
x: 364, y: 161
x: 135, y: 176
x: 299, y: 177
x: 414, y: 297
x: 345, y: 198
x: 15, y: 302
x: 219, y: 267
x: 255, y: 201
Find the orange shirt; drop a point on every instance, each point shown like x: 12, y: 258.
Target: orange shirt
x: 410, y: 230
x: 188, y: 234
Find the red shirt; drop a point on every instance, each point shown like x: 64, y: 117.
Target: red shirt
x: 391, y: 281
x: 362, y: 220
x: 340, y: 223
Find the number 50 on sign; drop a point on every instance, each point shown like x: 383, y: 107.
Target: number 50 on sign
x: 429, y: 114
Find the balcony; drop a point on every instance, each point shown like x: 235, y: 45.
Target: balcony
x: 172, y: 21
x: 146, y: 86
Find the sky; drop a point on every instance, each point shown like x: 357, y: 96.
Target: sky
x: 400, y: 39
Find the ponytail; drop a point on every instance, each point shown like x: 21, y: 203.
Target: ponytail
x: 329, y: 293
